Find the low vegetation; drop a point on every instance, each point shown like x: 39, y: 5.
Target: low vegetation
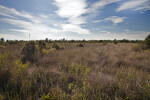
x: 39, y: 70
x: 56, y: 46
x: 29, y: 52
x: 144, y: 45
x: 80, y: 45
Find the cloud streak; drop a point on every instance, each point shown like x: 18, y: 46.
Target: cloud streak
x: 35, y: 25
x: 114, y: 19
x: 135, y: 5
x: 101, y: 4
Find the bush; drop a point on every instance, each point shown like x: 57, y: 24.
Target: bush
x: 56, y: 46
x: 80, y: 45
x: 143, y: 45
x: 115, y: 41
x: 11, y: 72
x: 30, y: 52
x: 42, y: 45
x: 147, y: 42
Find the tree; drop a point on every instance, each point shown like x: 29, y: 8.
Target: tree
x: 2, y: 39
x: 46, y: 40
x: 147, y: 41
x: 30, y: 52
x: 115, y: 41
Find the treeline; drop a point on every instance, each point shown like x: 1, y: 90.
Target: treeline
x: 2, y: 40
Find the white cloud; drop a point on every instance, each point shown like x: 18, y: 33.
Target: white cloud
x: 126, y: 30
x: 97, y: 21
x: 116, y: 19
x: 8, y: 36
x: 37, y: 26
x: 100, y: 4
x: 131, y: 35
x: 135, y: 5
x: 37, y: 30
x: 13, y: 13
x: 70, y: 8
x: 105, y: 32
x: 75, y: 28
x: 73, y: 11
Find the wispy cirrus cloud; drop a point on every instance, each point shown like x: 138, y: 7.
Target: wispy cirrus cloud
x: 97, y: 21
x: 135, y: 5
x: 74, y: 10
x: 101, y: 4
x: 71, y: 17
x: 27, y: 23
x: 37, y: 31
x: 114, y: 19
x: 13, y: 13
x: 8, y: 36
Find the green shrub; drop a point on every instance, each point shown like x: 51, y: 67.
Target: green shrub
x: 42, y: 45
x: 147, y: 42
x: 143, y: 45
x: 104, y: 43
x: 80, y: 45
x: 55, y: 94
x: 30, y: 52
x: 12, y: 74
x: 56, y: 46
x: 115, y: 41
x: 138, y: 47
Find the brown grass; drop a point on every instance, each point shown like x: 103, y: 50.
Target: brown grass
x: 93, y: 72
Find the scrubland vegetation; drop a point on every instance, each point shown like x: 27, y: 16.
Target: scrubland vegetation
x: 75, y: 70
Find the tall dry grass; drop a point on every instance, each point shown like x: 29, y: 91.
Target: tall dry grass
x: 93, y: 72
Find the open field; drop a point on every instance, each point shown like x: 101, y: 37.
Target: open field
x: 96, y: 71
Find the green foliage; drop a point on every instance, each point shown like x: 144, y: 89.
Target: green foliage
x: 79, y: 70
x: 104, y: 43
x: 73, y: 75
x: 2, y: 40
x: 56, y: 46
x: 30, y: 52
x: 46, y: 40
x: 55, y: 94
x: 42, y: 45
x: 147, y: 41
x: 115, y: 41
x: 80, y: 45
x: 12, y: 71
x: 138, y: 47
x: 142, y: 45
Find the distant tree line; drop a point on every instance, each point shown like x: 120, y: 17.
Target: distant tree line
x: 73, y: 41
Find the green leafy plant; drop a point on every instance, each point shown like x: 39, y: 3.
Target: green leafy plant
x: 42, y: 45
x: 115, y: 41
x: 147, y: 41
x: 56, y: 46
x: 80, y: 45
x: 30, y: 52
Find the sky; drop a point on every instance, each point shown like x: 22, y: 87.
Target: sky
x: 74, y: 19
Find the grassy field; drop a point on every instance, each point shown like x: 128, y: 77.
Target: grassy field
x: 96, y: 71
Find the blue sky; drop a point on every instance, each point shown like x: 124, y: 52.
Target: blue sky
x: 74, y: 19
